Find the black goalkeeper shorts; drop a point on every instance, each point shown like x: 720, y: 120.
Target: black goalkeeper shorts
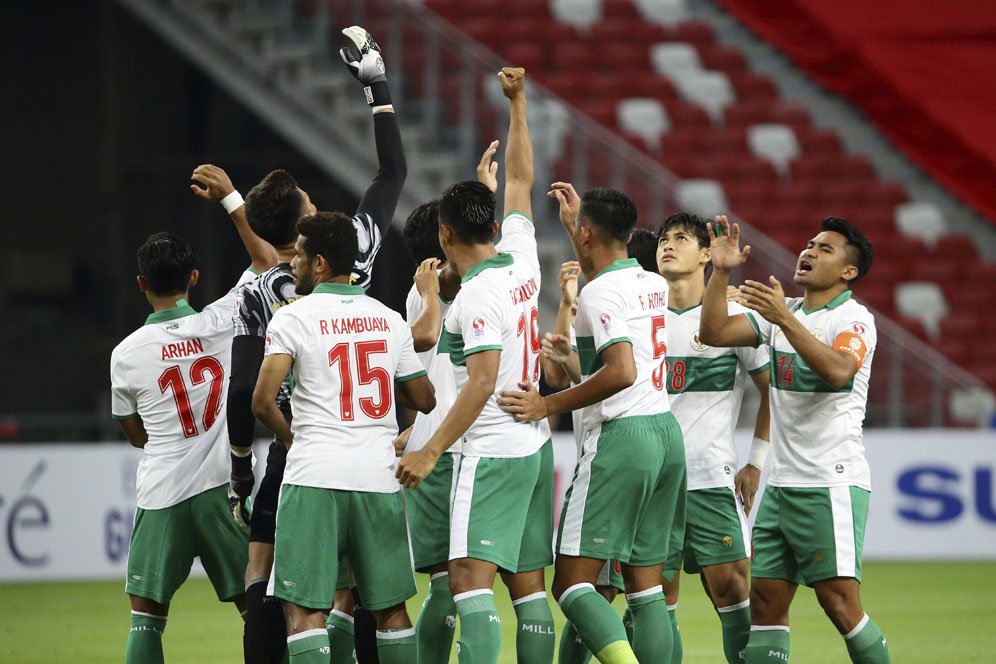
x: 263, y: 525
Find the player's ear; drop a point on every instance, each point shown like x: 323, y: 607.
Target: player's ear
x: 849, y: 274
x: 143, y: 285
x: 494, y: 229
x: 194, y: 276
x: 706, y: 256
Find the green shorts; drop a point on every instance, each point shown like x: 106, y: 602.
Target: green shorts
x: 611, y: 575
x: 165, y: 542
x: 805, y: 535
x: 502, y: 511
x: 428, y: 511
x: 715, y: 531
x: 316, y: 527
x: 627, y: 488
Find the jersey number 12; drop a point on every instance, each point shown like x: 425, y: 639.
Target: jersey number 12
x: 204, y: 369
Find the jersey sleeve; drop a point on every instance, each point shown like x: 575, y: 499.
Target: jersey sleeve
x: 854, y: 333
x: 480, y: 323
x: 756, y: 359
x: 605, y: 315
x: 761, y: 327
x: 221, y: 310
x: 413, y: 305
x: 368, y: 237
x: 518, y: 238
x: 123, y: 403
x: 409, y: 365
x: 282, y: 336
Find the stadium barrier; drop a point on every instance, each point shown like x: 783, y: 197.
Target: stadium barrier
x: 66, y: 511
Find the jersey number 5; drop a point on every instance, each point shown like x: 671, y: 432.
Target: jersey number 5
x: 373, y: 408
x: 660, y: 348
x: 204, y: 369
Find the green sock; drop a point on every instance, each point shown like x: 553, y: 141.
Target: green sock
x: 736, y: 630
x: 866, y: 643
x: 572, y: 648
x: 340, y: 630
x: 677, y: 649
x: 436, y: 622
x: 145, y: 639
x: 536, y: 639
x: 767, y: 644
x: 309, y: 647
x: 397, y: 646
x: 480, y: 628
x: 653, y: 640
x: 597, y: 623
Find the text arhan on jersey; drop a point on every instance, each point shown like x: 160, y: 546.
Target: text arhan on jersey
x: 183, y: 349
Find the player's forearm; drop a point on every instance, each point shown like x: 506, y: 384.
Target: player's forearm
x: 519, y: 149
x: 466, y: 409
x: 715, y: 314
x: 554, y: 373
x: 261, y: 253
x: 273, y: 419
x: 134, y: 430
x: 831, y: 366
x: 425, y: 329
x: 381, y: 198
x: 247, y: 356
x: 604, y: 383
x: 762, y: 425
x: 572, y: 368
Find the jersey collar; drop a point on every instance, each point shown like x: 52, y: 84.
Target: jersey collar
x: 832, y: 304
x: 339, y: 289
x: 620, y: 264
x: 501, y: 260
x: 678, y: 312
x: 181, y: 309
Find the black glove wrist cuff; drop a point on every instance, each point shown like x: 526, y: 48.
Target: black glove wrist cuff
x: 377, y: 94
x: 241, y: 466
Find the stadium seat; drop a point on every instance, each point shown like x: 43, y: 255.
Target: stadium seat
x: 722, y: 58
x: 582, y: 14
x: 709, y: 89
x: 635, y: 30
x: 574, y: 57
x: 694, y: 32
x: 674, y: 60
x: 957, y: 248
x: 616, y: 57
x: 922, y: 220
x: 923, y: 301
x: 703, y: 197
x: 666, y: 12
x: 753, y: 87
x: 645, y: 118
x: 774, y: 142
x: 530, y: 56
x: 818, y: 141
x: 959, y: 325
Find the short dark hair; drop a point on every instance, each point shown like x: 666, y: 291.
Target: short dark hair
x: 469, y: 209
x: 611, y: 211
x: 643, y: 247
x: 166, y: 260
x: 332, y: 236
x: 690, y: 223
x: 861, y: 252
x: 273, y: 208
x: 421, y: 232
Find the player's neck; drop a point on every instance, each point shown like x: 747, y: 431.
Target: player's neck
x: 686, y: 291
x: 285, y: 255
x: 468, y: 255
x: 602, y: 257
x: 338, y: 279
x: 165, y: 302
x: 817, y: 299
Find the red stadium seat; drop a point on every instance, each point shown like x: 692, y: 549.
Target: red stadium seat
x: 818, y: 141
x: 695, y: 32
x: 625, y: 56
x: 750, y: 87
x: 635, y: 30
x: 793, y: 115
x: 722, y: 58
x: 682, y: 141
x: 687, y: 115
x: 958, y: 248
x: 530, y: 56
x: 574, y: 57
x: 616, y: 9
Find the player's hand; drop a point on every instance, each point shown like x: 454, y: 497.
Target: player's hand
x: 725, y: 245
x: 487, y: 170
x: 556, y: 348
x: 426, y: 278
x: 733, y: 295
x: 527, y: 406
x: 745, y: 485
x: 513, y: 81
x: 214, y: 183
x: 363, y: 56
x: 241, y: 483
x: 415, y: 467
x: 769, y: 301
x: 568, y: 280
x: 570, y: 204
x: 401, y: 442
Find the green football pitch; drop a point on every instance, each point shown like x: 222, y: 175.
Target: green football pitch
x: 930, y: 612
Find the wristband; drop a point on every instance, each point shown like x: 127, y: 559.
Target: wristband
x: 377, y: 94
x: 241, y: 455
x: 758, y: 452
x: 232, y: 202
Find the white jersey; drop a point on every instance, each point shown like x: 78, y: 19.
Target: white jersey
x: 706, y: 385
x: 816, y: 429
x: 626, y: 303
x: 349, y: 350
x: 497, y: 308
x: 440, y: 374
x: 173, y: 374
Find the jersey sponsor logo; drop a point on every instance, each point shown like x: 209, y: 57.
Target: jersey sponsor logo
x: 357, y: 325
x: 606, y: 320
x: 478, y: 326
x: 524, y: 292
x: 487, y: 543
x: 697, y: 343
x: 538, y: 629
x: 859, y: 328
x: 182, y: 349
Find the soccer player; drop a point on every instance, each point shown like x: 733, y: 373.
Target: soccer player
x: 352, y: 359
x: 706, y: 385
x: 502, y: 507
x: 642, y: 246
x: 273, y: 208
x: 168, y: 394
x: 630, y: 480
x: 811, y: 520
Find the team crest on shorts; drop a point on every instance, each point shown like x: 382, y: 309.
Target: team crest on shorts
x: 727, y: 541
x: 697, y: 343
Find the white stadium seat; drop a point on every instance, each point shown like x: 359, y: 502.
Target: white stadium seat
x: 666, y: 12
x: 703, y: 197
x: 775, y: 143
x: 923, y: 301
x: 582, y: 14
x: 922, y: 220
x: 673, y: 59
x: 709, y: 89
x: 644, y: 117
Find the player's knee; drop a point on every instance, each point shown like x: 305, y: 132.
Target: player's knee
x: 729, y: 587
x: 395, y: 617
x: 343, y: 601
x: 146, y: 605
x: 841, y: 606
x: 767, y: 606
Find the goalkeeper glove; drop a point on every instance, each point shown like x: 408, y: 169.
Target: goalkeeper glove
x: 363, y: 58
x: 240, y: 488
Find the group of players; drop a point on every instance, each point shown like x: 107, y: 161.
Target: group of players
x: 649, y: 357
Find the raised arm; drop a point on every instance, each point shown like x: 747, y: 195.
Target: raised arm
x: 426, y: 327
x: 519, y: 176
x: 215, y: 185
x: 717, y: 327
x: 560, y: 363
